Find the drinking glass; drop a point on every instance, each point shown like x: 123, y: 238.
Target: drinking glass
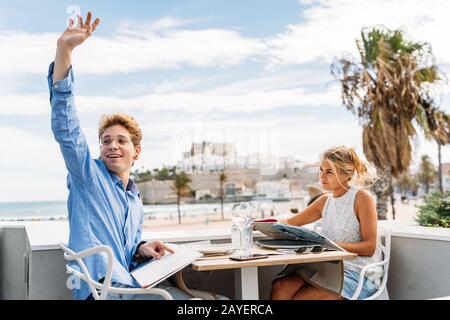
x: 243, y: 216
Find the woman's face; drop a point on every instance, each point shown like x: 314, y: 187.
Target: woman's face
x: 329, y: 177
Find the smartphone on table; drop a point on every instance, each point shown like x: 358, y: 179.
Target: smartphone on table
x: 249, y: 257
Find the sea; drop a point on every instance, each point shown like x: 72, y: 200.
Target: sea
x: 57, y: 210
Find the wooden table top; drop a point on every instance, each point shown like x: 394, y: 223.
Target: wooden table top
x: 221, y: 263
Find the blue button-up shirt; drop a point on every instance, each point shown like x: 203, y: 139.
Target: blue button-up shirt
x: 101, y: 210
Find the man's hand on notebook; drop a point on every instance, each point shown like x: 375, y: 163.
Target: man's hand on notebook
x: 155, y: 249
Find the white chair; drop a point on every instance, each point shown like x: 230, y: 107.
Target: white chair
x: 384, y: 233
x: 100, y: 290
x: 382, y: 293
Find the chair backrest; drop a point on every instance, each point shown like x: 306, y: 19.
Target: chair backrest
x: 384, y: 234
x: 84, y: 275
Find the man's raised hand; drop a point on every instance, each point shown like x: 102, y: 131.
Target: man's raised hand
x: 75, y: 35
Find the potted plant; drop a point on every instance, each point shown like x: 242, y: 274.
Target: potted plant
x: 435, y: 212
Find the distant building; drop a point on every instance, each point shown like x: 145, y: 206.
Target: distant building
x: 208, y: 156
x: 157, y: 191
x: 312, y: 168
x: 229, y: 190
x: 295, y: 166
x: 275, y: 190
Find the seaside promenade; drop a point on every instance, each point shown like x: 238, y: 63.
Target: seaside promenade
x: 405, y: 212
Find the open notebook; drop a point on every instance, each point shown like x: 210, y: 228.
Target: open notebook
x: 152, y: 272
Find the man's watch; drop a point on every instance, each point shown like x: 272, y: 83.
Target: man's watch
x: 137, y: 257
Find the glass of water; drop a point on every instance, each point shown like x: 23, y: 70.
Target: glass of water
x: 243, y: 216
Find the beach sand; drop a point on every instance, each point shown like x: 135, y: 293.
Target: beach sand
x: 404, y: 212
x: 188, y: 222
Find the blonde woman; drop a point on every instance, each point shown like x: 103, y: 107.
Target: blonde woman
x: 349, y: 218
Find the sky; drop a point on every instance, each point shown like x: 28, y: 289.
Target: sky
x: 254, y: 73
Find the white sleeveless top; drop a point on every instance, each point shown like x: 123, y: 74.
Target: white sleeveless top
x: 340, y: 224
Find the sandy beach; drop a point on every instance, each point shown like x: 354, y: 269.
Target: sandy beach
x: 404, y: 212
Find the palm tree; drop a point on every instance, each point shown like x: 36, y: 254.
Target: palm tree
x: 222, y: 179
x: 407, y: 182
x: 182, y: 188
x: 162, y: 174
x: 427, y: 173
x: 141, y: 175
x: 386, y: 90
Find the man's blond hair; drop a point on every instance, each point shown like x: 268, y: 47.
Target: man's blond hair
x: 128, y: 122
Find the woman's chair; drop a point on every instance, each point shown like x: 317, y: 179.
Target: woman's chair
x: 384, y: 232
x: 385, y: 244
x: 100, y: 290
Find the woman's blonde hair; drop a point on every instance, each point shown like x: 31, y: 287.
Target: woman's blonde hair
x: 124, y: 120
x: 347, y: 162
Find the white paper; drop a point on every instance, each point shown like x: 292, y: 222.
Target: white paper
x: 155, y: 271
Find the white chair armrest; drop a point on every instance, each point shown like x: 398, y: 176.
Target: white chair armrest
x: 362, y: 274
x: 70, y: 255
x: 105, y: 287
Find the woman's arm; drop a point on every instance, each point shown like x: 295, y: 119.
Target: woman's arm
x: 311, y: 213
x: 366, y: 212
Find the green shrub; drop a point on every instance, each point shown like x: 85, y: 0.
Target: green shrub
x: 435, y: 212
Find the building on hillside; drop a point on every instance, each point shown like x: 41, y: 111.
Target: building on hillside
x: 157, y: 191
x: 208, y: 156
x: 274, y: 190
x: 212, y: 157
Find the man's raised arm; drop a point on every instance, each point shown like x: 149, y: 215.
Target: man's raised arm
x: 65, y: 123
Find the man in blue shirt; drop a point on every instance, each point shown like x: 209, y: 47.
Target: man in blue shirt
x: 104, y: 204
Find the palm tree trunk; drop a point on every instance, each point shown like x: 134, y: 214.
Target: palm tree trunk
x: 221, y: 199
x: 391, y: 188
x: 179, y: 212
x: 221, y: 206
x: 382, y: 192
x: 441, y: 189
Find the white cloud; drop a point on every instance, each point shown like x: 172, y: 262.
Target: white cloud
x: 132, y: 27
x: 332, y: 26
x: 24, y: 105
x: 329, y: 28
x: 202, y: 48
x: 29, y: 167
x: 187, y: 109
x: 32, y: 167
x: 189, y: 102
x: 24, y: 148
x: 27, y: 53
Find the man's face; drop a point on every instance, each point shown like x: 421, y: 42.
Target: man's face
x: 117, y: 150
